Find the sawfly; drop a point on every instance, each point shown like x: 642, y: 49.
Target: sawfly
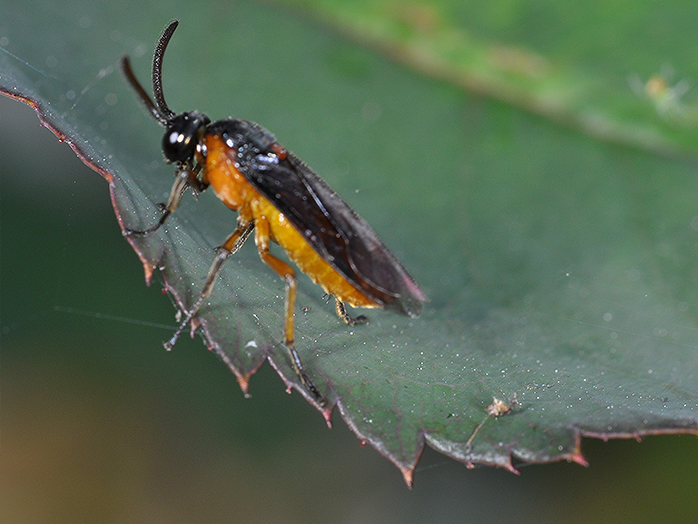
x: 279, y: 199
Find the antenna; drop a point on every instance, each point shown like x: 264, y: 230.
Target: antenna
x: 159, y: 108
x: 157, y: 69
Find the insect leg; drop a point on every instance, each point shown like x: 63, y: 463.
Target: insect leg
x: 230, y: 246
x: 341, y: 310
x: 285, y: 271
x: 185, y: 177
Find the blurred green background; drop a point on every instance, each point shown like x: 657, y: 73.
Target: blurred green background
x: 99, y: 424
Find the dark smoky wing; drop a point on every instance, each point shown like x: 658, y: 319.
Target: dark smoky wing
x: 366, y: 253
x: 335, y: 231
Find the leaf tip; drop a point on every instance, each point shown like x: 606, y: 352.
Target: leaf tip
x: 578, y: 458
x: 244, y: 382
x: 327, y: 415
x: 511, y: 469
x: 408, y: 475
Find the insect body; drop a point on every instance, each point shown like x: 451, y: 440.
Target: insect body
x: 283, y: 201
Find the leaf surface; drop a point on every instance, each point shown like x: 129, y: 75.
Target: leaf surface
x: 560, y: 267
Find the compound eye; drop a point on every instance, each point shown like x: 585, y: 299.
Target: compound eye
x: 177, y: 146
x: 179, y: 142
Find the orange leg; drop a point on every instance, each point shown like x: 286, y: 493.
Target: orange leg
x: 229, y: 247
x: 262, y: 239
